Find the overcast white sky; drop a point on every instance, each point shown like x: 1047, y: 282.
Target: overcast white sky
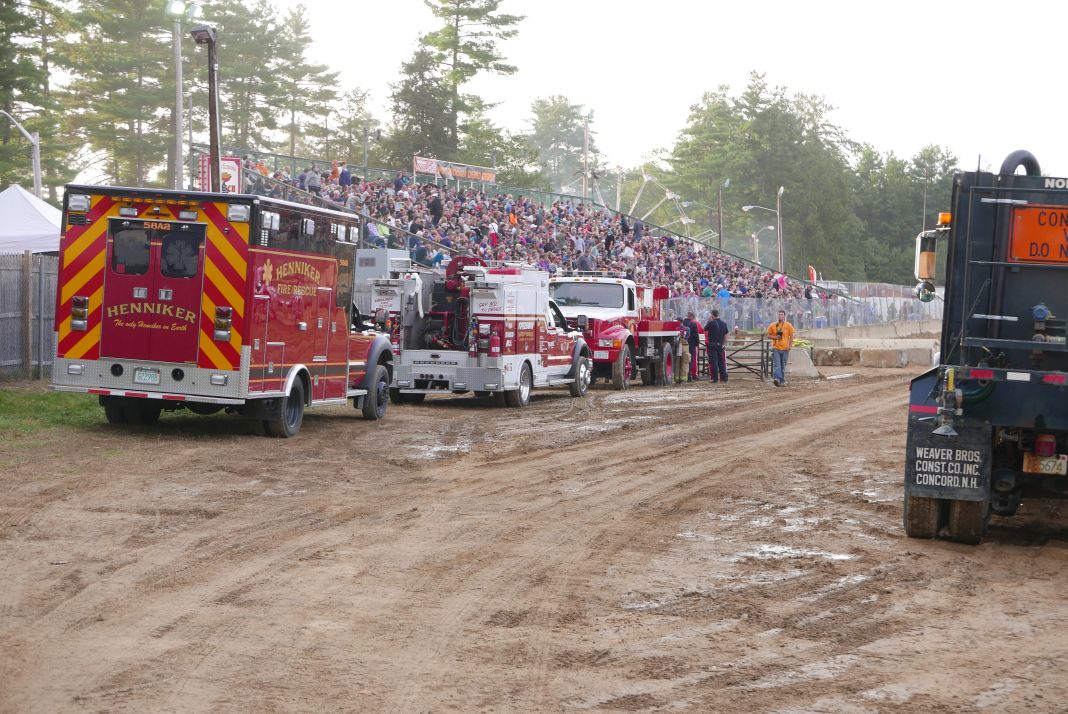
x: 980, y: 78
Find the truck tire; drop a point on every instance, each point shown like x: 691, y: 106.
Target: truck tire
x: 581, y: 385
x: 648, y: 373
x: 114, y: 409
x: 144, y: 412
x: 921, y: 517
x: 623, y: 369
x: 377, y: 397
x: 967, y: 521
x: 521, y: 397
x: 288, y: 414
x: 665, y: 371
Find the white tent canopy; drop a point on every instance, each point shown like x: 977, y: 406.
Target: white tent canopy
x: 27, y: 222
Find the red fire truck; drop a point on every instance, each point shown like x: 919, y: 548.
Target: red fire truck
x: 622, y: 323
x: 211, y: 301
x: 490, y: 329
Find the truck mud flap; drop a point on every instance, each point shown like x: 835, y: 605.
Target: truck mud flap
x: 949, y: 467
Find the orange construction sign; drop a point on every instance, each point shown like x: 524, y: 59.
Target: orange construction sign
x: 1039, y: 234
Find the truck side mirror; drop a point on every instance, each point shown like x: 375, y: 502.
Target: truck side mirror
x: 582, y: 322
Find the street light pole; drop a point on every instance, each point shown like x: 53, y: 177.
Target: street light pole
x: 179, y: 10
x: 756, y: 243
x: 725, y: 184
x: 206, y: 35
x: 778, y: 223
x: 35, y: 143
x: 178, y: 109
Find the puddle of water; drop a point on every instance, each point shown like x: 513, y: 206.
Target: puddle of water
x: 795, y: 525
x: 771, y: 551
x: 839, y: 584
x: 435, y: 451
x: 284, y: 492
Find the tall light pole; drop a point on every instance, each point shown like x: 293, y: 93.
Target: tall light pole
x: 778, y: 224
x: 726, y: 184
x: 179, y: 10
x: 35, y: 143
x: 206, y: 35
x: 778, y: 221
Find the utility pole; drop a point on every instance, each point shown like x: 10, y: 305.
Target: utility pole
x: 585, y: 155
x: 619, y: 186
x: 719, y: 223
x: 365, y: 153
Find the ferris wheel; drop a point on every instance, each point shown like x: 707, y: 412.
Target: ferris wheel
x: 652, y: 197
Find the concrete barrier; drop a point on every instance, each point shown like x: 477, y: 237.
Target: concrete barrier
x: 800, y: 365
x: 883, y: 358
x: 834, y: 356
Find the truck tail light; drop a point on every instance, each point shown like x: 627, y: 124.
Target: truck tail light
x: 1055, y: 379
x: 1045, y: 445
x: 223, y: 323
x: 79, y: 313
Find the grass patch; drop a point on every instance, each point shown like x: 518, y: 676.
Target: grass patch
x: 30, y: 411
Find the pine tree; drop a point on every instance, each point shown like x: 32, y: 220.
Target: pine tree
x: 249, y: 43
x: 557, y: 136
x: 23, y: 89
x: 306, y: 90
x: 123, y: 85
x: 465, y: 45
x: 421, y: 104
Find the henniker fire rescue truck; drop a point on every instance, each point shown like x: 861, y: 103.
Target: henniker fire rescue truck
x: 623, y: 324
x: 486, y: 328
x: 988, y: 427
x: 206, y: 301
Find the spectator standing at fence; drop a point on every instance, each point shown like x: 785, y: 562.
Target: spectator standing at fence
x: 692, y: 340
x: 781, y: 334
x: 344, y: 177
x: 682, y: 362
x: 716, y: 331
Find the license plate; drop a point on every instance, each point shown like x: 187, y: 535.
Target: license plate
x: 1048, y: 465
x: 600, y: 354
x: 146, y: 376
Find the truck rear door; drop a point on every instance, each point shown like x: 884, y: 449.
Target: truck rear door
x: 153, y: 284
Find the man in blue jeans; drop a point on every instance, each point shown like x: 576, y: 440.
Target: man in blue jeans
x: 781, y: 335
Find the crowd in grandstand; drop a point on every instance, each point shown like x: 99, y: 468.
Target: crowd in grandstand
x: 441, y: 221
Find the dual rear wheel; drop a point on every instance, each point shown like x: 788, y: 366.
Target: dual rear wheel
x: 965, y: 521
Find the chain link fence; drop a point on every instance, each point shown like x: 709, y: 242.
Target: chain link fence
x: 896, y: 303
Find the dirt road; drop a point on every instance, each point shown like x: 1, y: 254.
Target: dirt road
x: 710, y: 549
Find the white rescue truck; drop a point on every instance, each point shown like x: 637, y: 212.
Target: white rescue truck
x: 491, y: 329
